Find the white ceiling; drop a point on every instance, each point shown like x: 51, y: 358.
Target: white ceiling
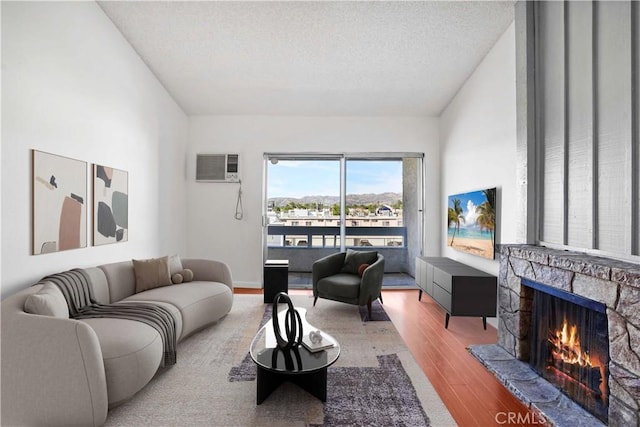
x: 312, y: 58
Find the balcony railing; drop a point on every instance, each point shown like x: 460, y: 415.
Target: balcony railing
x: 302, y: 236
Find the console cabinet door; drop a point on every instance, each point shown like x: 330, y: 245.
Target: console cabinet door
x: 420, y: 277
x: 429, y: 278
x: 424, y: 275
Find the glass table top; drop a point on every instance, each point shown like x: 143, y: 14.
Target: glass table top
x: 265, y: 352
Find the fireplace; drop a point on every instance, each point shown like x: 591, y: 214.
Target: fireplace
x: 615, y: 286
x: 569, y: 346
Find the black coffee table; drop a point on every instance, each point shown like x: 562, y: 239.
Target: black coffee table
x: 300, y: 366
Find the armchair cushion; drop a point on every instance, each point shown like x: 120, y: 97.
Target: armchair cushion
x: 341, y: 286
x: 354, y: 259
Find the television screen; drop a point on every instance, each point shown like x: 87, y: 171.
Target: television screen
x: 471, y: 222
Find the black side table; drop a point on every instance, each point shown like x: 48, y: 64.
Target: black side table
x: 276, y: 278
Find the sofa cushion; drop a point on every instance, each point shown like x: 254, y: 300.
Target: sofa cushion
x: 341, y: 285
x: 48, y: 301
x: 132, y: 352
x: 99, y: 284
x: 200, y: 303
x: 120, y: 278
x: 354, y: 259
x: 175, y: 313
x: 151, y: 273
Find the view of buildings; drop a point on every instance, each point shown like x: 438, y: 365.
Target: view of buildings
x: 317, y: 224
x: 303, y: 208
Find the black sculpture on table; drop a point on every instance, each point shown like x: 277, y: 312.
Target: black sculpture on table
x: 293, y: 331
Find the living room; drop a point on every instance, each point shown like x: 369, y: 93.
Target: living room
x: 155, y: 141
x: 74, y: 86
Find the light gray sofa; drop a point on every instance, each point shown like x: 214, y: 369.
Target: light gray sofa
x: 58, y: 371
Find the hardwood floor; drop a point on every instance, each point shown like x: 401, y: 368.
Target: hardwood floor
x: 472, y: 394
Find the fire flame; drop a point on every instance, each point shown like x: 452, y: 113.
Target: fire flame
x: 566, y: 346
x: 566, y: 351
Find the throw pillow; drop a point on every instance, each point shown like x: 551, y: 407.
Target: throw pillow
x: 354, y: 259
x: 151, y: 273
x: 177, y: 278
x: 48, y: 301
x: 187, y: 274
x: 362, y: 268
x: 175, y: 264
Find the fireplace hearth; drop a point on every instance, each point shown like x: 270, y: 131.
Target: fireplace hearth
x: 614, y: 286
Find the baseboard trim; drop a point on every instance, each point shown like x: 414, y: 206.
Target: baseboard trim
x: 250, y: 285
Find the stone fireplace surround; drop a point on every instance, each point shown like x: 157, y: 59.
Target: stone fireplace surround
x: 612, y: 282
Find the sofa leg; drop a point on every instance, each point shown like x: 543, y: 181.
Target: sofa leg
x: 381, y: 298
x: 314, y: 301
x: 369, y: 308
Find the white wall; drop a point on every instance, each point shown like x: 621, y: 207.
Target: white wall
x: 212, y: 230
x: 71, y: 85
x: 478, y: 143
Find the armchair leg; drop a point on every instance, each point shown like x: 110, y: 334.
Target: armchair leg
x: 314, y: 301
x: 369, y: 308
x: 381, y: 298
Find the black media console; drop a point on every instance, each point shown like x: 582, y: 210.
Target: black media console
x: 459, y: 289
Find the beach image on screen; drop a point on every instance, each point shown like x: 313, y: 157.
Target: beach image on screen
x: 471, y: 222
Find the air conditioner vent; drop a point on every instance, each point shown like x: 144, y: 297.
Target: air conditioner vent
x: 217, y: 168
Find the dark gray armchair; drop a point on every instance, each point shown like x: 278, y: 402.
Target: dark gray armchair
x: 336, y: 277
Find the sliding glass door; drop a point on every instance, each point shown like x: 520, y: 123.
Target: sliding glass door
x: 374, y: 194
x: 303, y: 194
x: 317, y: 204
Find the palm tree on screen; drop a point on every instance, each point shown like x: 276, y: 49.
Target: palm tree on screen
x: 455, y: 217
x: 487, y: 213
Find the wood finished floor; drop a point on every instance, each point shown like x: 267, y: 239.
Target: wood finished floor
x: 472, y: 394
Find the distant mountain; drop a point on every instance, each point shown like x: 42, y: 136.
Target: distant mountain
x: 352, y: 199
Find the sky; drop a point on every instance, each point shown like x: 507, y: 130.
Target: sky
x: 468, y: 203
x: 299, y: 178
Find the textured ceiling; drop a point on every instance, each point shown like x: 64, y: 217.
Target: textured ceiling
x: 312, y: 58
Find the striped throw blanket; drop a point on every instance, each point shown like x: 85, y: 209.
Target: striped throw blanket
x: 75, y: 286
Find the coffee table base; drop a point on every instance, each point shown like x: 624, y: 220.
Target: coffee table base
x: 314, y: 382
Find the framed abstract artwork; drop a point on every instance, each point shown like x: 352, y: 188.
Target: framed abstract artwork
x: 59, y: 210
x: 110, y: 205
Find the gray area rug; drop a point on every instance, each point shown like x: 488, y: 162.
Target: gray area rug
x: 377, y: 313
x: 375, y: 381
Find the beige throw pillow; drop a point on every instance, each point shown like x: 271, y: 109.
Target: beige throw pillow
x: 48, y: 301
x: 151, y: 273
x: 187, y: 275
x: 175, y: 264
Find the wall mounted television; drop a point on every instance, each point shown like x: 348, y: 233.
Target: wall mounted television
x: 471, y: 222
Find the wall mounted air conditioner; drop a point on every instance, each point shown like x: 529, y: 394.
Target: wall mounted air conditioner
x: 217, y: 168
